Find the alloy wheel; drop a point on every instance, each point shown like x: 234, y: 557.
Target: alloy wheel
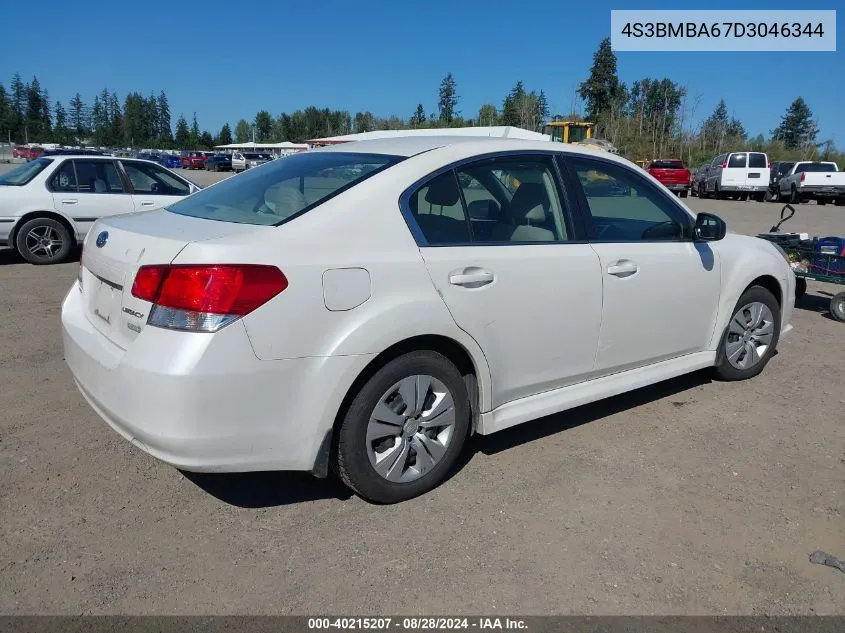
x: 43, y: 241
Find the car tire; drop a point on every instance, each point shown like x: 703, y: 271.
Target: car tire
x: 837, y: 306
x: 739, y: 356
x: 800, y: 288
x: 821, y: 203
x: 395, y: 442
x: 840, y: 202
x: 43, y: 241
x: 684, y: 193
x: 717, y: 193
x: 794, y: 198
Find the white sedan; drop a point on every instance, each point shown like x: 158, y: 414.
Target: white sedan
x: 48, y: 205
x: 366, y: 307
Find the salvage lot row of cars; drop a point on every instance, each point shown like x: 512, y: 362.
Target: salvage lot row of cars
x: 404, y: 271
x: 750, y: 175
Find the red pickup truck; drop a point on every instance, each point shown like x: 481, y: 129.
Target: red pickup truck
x: 193, y: 160
x: 671, y: 173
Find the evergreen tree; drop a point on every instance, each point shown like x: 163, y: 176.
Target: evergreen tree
x: 165, y: 131
x: 418, y: 118
x: 78, y: 118
x: 18, y: 103
x: 225, y: 136
x: 194, y: 135
x: 797, y: 128
x: 7, y: 118
x: 448, y: 99
x: 601, y: 89
x: 263, y: 126
x: 488, y: 115
x: 61, y: 134
x: 115, y: 119
x: 511, y: 106
x: 206, y: 141
x: 183, y: 134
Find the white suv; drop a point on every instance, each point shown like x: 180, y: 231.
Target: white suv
x: 737, y: 175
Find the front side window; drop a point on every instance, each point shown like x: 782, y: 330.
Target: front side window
x: 624, y: 207
x: 22, y: 174
x: 501, y: 200
x: 283, y: 189
x: 153, y: 180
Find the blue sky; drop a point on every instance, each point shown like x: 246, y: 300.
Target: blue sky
x: 228, y: 59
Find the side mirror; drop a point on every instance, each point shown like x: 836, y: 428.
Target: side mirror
x: 709, y: 228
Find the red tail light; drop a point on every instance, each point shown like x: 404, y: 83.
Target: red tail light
x: 205, y: 297
x: 725, y: 164
x: 768, y: 164
x: 803, y: 174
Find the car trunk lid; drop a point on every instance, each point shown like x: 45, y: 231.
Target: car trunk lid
x: 671, y: 176
x: 118, y: 246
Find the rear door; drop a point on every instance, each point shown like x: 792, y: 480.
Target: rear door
x: 735, y: 172
x: 499, y: 243
x: 87, y: 189
x: 153, y: 186
x: 758, y: 170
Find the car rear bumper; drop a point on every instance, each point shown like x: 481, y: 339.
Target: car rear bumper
x: 830, y: 192
x: 676, y: 186
x: 745, y: 188
x: 205, y: 402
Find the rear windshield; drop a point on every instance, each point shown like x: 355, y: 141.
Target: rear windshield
x: 667, y: 164
x: 815, y: 167
x: 282, y: 189
x: 22, y: 174
x: 737, y: 160
x: 756, y: 159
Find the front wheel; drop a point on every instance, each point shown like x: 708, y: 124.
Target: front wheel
x: 44, y: 241
x: 684, y: 193
x: 404, y: 429
x: 800, y: 288
x: 751, y: 336
x: 837, y: 307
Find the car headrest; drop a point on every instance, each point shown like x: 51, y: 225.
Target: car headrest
x: 443, y: 191
x: 100, y: 186
x: 286, y: 200
x: 530, y: 203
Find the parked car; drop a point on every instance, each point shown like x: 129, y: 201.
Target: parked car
x: 672, y: 174
x: 289, y: 319
x: 48, y: 205
x: 241, y: 161
x: 219, y: 162
x: 813, y: 180
x: 737, y: 175
x: 778, y: 170
x: 170, y: 161
x: 193, y: 160
x: 61, y: 151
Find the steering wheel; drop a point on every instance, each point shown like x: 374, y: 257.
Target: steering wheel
x: 659, y: 230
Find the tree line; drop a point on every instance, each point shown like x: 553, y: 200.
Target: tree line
x: 653, y: 117
x: 657, y: 118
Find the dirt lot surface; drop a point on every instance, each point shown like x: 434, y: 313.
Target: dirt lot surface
x: 692, y: 497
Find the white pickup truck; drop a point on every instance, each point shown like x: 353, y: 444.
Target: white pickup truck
x: 813, y: 180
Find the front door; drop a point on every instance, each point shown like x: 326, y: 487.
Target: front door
x: 499, y: 249
x: 661, y: 289
x: 87, y: 189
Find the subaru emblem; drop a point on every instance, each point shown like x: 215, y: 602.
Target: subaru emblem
x: 102, y: 238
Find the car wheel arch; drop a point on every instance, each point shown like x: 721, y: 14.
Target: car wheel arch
x: 53, y: 215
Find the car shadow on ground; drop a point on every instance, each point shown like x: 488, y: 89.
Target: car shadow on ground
x: 10, y: 257
x: 271, y: 489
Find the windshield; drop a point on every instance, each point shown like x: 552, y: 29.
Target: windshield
x: 24, y: 173
x: 815, y: 167
x: 281, y: 190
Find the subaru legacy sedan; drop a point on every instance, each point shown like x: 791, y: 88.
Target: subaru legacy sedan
x: 362, y: 309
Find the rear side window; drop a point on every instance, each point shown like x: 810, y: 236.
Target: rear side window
x: 738, y: 160
x: 21, y: 175
x: 757, y: 159
x: 283, y: 189
x: 815, y: 167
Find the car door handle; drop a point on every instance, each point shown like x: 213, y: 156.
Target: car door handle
x: 471, y: 277
x: 623, y: 268
x: 147, y: 203
x: 69, y: 201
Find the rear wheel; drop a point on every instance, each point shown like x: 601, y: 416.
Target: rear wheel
x: 837, y: 306
x: 751, y: 336
x: 43, y: 241
x: 800, y: 288
x: 840, y: 202
x: 684, y: 193
x: 821, y: 202
x: 793, y: 196
x: 405, y: 428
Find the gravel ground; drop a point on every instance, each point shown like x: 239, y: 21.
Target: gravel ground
x: 691, y: 497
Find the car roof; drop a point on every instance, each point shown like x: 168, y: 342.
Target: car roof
x: 408, y: 146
